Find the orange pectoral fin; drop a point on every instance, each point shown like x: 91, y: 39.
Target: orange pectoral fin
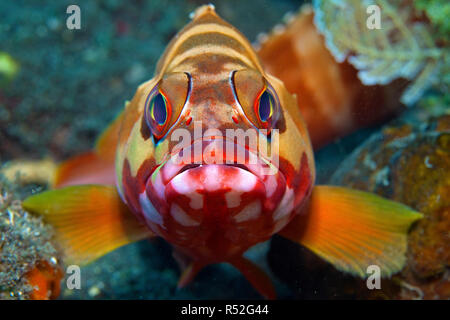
x: 93, y: 167
x: 90, y: 220
x: 256, y: 276
x: 354, y: 229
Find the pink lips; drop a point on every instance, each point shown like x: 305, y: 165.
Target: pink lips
x: 215, y: 166
x: 217, y: 151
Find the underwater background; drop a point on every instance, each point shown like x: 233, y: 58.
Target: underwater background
x: 60, y: 88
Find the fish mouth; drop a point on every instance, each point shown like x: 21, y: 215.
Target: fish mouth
x: 217, y: 151
x: 215, y: 167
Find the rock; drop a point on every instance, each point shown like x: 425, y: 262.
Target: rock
x: 29, y: 262
x: 407, y: 163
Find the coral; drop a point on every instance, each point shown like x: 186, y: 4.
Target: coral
x: 29, y: 263
x: 402, y: 48
x: 405, y: 157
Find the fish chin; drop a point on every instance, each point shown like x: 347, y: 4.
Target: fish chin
x: 215, y: 211
x: 215, y: 187
x: 192, y: 194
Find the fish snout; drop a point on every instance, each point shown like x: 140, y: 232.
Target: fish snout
x: 214, y: 183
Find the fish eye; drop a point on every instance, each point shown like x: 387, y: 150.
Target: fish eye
x: 266, y: 105
x: 158, y: 109
x: 157, y: 112
x: 266, y: 108
x: 257, y: 101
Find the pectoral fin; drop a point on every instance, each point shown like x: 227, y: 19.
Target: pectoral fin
x: 354, y: 229
x: 90, y: 220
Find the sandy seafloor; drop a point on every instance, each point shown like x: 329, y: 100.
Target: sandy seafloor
x: 71, y: 83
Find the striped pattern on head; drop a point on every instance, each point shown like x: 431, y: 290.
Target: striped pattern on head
x: 207, y: 34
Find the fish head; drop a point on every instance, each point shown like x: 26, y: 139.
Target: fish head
x: 213, y: 153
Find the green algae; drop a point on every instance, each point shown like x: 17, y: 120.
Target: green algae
x: 438, y: 12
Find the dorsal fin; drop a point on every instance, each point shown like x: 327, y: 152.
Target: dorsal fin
x: 203, y: 10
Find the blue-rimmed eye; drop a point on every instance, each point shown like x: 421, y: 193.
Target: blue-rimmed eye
x: 266, y: 109
x: 157, y: 113
x: 266, y: 106
x: 158, y: 109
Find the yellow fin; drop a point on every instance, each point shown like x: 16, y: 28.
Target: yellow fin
x: 353, y: 229
x: 90, y: 220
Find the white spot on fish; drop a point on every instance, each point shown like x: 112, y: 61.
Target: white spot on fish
x: 170, y: 169
x: 149, y: 210
x: 271, y: 186
x: 251, y: 211
x: 213, y: 179
x: 159, y: 186
x: 181, y: 217
x: 181, y: 183
x: 286, y: 205
x: 246, y: 181
x: 233, y: 199
x: 196, y: 200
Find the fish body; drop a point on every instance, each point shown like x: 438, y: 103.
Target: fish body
x: 179, y: 163
x: 211, y: 77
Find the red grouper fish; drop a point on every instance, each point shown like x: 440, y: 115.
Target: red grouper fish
x: 174, y: 165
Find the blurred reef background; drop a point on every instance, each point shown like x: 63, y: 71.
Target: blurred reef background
x: 60, y: 88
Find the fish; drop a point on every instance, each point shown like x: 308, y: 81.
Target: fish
x: 168, y: 167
